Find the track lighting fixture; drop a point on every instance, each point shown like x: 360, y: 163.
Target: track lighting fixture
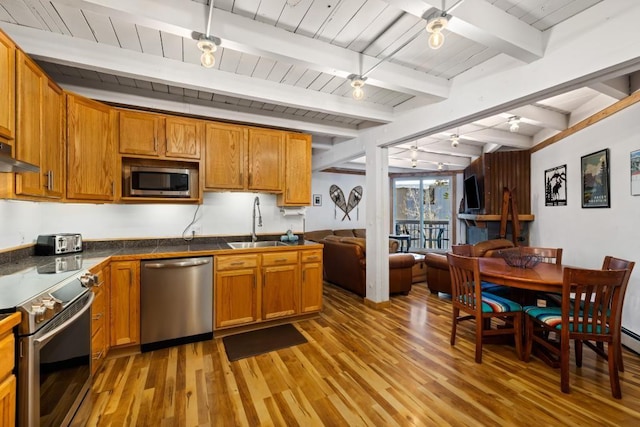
x: 435, y: 27
x: 455, y: 140
x: 208, y: 45
x: 357, y: 82
x: 514, y: 123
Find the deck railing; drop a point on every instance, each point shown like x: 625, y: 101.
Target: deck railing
x: 431, y: 234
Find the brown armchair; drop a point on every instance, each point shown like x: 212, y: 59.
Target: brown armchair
x: 345, y: 265
x: 438, y: 277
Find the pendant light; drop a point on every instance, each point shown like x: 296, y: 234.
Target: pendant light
x: 357, y: 82
x: 208, y: 44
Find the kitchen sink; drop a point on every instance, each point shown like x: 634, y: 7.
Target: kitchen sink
x: 248, y: 245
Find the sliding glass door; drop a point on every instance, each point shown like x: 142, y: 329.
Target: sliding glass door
x: 422, y: 209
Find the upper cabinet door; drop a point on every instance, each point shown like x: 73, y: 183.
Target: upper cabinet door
x: 28, y: 143
x: 297, y: 171
x: 265, y: 160
x: 91, y: 159
x: 184, y: 137
x: 225, y: 157
x: 53, y: 150
x: 141, y: 133
x: 7, y: 87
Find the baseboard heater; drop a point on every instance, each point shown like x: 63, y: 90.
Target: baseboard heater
x: 631, y: 340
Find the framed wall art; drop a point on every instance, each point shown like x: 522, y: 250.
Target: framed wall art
x: 594, y: 171
x: 635, y: 173
x: 555, y: 186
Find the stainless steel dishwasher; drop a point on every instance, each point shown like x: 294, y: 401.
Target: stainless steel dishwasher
x: 176, y: 301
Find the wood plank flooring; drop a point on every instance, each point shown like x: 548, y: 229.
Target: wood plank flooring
x: 361, y: 367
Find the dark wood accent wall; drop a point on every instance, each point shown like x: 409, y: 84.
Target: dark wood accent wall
x: 494, y: 171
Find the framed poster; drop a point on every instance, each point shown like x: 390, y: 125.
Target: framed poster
x: 555, y: 186
x: 635, y: 173
x: 594, y: 171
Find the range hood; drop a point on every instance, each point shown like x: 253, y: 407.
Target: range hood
x: 9, y: 164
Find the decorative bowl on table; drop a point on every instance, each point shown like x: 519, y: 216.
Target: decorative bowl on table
x: 516, y: 258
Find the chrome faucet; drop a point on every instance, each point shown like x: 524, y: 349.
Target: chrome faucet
x: 256, y: 203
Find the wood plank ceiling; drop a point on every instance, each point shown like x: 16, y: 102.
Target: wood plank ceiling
x: 285, y: 63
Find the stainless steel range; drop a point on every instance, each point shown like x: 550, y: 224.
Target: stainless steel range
x: 54, y: 339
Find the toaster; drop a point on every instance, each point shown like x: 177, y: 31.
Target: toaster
x: 56, y: 244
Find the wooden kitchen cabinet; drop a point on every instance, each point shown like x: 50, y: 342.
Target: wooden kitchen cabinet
x: 100, y: 319
x: 236, y: 290
x: 184, y: 137
x: 125, y: 303
x: 311, y: 280
x: 280, y: 284
x: 297, y: 171
x: 7, y: 363
x: 265, y: 160
x: 91, y: 155
x: 7, y: 88
x: 141, y: 133
x: 40, y: 131
x: 225, y: 157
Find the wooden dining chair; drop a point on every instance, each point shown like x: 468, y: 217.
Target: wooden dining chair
x: 610, y: 263
x: 467, y: 296
x: 596, y: 318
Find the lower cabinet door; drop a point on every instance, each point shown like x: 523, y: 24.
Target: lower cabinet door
x: 236, y: 297
x: 280, y: 291
x: 311, y: 289
x: 8, y: 401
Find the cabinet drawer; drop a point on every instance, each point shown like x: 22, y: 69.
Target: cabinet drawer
x: 232, y: 262
x: 311, y: 256
x: 98, y: 311
x: 7, y: 351
x: 279, y: 258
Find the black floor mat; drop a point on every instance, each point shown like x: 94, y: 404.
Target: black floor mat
x: 253, y: 343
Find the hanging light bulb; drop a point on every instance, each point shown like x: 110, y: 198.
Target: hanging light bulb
x: 414, y: 152
x: 208, y: 45
x: 440, y: 166
x: 435, y: 27
x: 357, y: 82
x: 455, y: 140
x: 414, y: 163
x: 514, y: 123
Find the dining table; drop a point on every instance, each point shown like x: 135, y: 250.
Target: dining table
x: 543, y: 277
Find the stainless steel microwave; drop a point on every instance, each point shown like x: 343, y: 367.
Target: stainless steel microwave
x: 145, y: 181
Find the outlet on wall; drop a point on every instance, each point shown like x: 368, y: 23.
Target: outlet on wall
x: 196, y: 229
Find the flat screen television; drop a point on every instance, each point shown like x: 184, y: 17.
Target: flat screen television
x: 471, y: 193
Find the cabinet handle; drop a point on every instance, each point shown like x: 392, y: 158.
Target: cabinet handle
x: 97, y: 285
x: 281, y: 260
x: 155, y: 143
x: 98, y: 355
x: 237, y: 263
x: 49, y: 180
x: 98, y: 316
x: 312, y: 257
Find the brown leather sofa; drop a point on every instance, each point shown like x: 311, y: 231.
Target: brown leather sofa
x: 318, y: 235
x: 438, y: 278
x: 345, y: 265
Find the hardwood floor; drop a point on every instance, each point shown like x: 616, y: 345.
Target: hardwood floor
x: 361, y: 367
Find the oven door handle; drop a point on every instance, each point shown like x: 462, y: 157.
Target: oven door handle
x: 46, y: 337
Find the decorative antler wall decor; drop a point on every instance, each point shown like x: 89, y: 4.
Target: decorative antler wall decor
x: 355, y: 195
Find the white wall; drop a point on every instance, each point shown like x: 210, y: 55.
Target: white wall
x: 220, y: 214
x: 587, y: 235
x: 329, y: 216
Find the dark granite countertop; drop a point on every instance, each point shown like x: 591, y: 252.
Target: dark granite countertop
x: 20, y: 276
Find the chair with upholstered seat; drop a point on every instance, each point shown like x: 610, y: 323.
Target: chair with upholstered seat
x: 467, y: 296
x: 610, y: 263
x: 595, y: 318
